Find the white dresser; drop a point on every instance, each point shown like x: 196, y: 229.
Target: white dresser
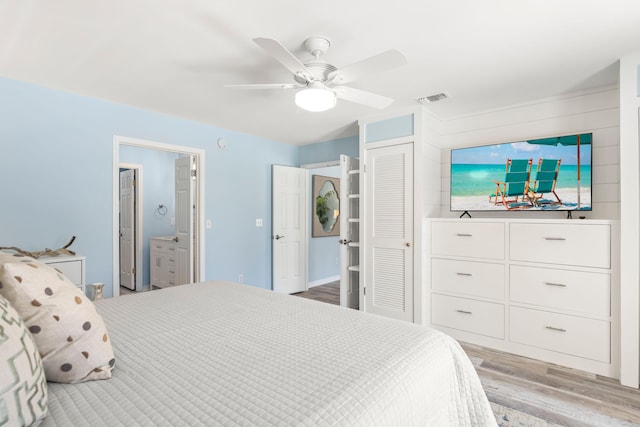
x: 72, y: 266
x: 546, y: 289
x: 162, y: 262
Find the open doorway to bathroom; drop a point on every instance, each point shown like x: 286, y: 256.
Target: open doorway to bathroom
x: 154, y: 210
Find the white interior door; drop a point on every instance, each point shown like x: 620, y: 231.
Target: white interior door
x: 289, y: 226
x: 127, y: 231
x: 184, y: 219
x: 388, y: 256
x: 349, y: 231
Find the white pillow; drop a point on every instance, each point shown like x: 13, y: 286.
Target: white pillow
x: 71, y: 336
x: 23, y: 386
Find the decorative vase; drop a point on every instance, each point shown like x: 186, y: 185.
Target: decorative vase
x: 97, y: 291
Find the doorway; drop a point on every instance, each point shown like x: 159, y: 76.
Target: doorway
x: 323, y: 262
x: 124, y: 144
x: 300, y: 261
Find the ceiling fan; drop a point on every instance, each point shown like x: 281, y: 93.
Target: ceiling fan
x: 320, y: 83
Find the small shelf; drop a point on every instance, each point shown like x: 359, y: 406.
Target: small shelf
x: 354, y: 220
x: 353, y: 196
x: 354, y: 171
x: 354, y: 268
x: 354, y: 244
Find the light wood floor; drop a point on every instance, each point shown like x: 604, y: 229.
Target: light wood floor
x: 329, y: 293
x: 559, y: 395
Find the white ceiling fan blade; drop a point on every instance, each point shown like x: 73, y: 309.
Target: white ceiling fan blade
x: 268, y: 86
x: 362, y: 97
x: 286, y: 58
x: 374, y: 64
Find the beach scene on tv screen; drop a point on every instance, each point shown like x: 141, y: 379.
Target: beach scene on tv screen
x: 540, y: 174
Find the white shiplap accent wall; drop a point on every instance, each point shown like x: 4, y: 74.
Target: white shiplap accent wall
x: 595, y: 111
x: 431, y: 173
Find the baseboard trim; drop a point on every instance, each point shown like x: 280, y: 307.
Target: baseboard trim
x: 323, y: 281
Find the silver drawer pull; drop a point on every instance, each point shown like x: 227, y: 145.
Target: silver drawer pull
x: 556, y: 329
x: 555, y: 238
x: 560, y: 285
x: 464, y: 274
x: 464, y: 235
x: 464, y: 312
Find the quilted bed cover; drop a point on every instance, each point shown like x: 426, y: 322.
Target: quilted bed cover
x: 220, y: 353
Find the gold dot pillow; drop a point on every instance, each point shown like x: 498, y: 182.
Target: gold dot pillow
x: 23, y: 386
x: 71, y: 336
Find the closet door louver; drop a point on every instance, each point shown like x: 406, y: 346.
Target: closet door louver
x: 389, y: 231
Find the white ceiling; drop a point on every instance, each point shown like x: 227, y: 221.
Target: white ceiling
x: 174, y: 56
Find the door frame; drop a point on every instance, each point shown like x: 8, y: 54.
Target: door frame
x: 199, y: 155
x: 137, y: 220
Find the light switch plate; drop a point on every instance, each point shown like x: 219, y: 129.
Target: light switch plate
x: 208, y: 223
x: 259, y: 222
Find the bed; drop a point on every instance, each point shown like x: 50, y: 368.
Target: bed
x: 220, y: 353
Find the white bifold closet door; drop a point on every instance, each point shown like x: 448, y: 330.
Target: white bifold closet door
x: 389, y: 231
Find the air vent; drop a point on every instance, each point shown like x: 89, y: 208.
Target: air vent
x: 433, y: 98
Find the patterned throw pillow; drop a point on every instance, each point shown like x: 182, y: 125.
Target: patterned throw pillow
x: 71, y: 336
x: 23, y: 386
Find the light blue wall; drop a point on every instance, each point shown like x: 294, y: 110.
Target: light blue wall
x: 324, y: 252
x: 395, y: 127
x: 329, y: 150
x: 158, y: 187
x: 56, y: 169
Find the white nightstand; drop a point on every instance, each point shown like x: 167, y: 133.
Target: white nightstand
x: 72, y: 266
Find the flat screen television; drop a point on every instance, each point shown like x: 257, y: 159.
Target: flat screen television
x: 538, y: 174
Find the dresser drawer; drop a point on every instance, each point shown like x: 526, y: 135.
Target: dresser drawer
x: 469, y: 315
x: 578, y: 291
x: 468, y: 239
x: 468, y: 277
x: 587, y: 245
x: 572, y: 335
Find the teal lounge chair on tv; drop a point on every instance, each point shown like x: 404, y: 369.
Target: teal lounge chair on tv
x: 546, y: 176
x: 513, y: 191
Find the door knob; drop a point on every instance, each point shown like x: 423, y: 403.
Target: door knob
x: 278, y: 237
x: 408, y: 244
x: 175, y: 239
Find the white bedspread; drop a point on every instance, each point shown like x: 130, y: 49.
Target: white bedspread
x: 219, y: 353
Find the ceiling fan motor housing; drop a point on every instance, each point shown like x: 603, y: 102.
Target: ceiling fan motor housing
x: 319, y: 69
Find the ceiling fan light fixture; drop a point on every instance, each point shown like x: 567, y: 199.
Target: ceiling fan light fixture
x: 316, y: 97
